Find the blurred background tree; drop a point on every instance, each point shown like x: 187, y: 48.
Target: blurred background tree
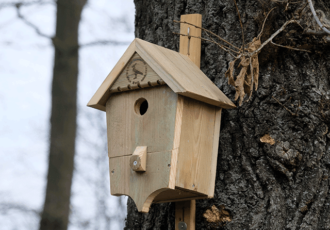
x: 26, y: 72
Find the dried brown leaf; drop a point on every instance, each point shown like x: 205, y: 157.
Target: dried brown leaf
x: 229, y: 73
x: 214, y: 215
x: 249, y: 73
x: 239, y: 83
x: 267, y: 139
x: 254, y: 45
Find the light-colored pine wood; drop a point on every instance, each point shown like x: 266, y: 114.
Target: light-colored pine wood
x: 141, y: 187
x: 138, y: 161
x: 191, y: 46
x: 175, y: 69
x: 185, y: 211
x: 143, y: 77
x: 196, y: 147
x: 178, y: 195
x: 102, y: 94
x: 176, y: 141
x: 155, y: 129
x: 215, y: 150
x: 188, y: 78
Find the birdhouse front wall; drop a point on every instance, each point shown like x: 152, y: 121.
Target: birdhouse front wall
x: 127, y: 128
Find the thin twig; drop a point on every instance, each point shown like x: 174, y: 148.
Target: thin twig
x: 37, y: 30
x: 317, y: 33
x: 263, y: 25
x: 271, y: 37
x: 317, y: 18
x: 30, y: 3
x: 221, y: 46
x: 252, y: 78
x: 293, y: 114
x: 240, y: 21
x: 291, y: 48
x: 220, y: 38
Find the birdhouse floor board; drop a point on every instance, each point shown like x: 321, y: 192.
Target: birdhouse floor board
x: 177, y: 195
x: 142, y: 187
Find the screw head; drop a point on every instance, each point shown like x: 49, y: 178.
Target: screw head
x: 135, y: 163
x: 182, y: 226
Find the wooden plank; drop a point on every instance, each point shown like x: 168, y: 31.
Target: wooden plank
x: 100, y: 97
x: 141, y: 187
x: 128, y: 79
x: 158, y: 63
x: 177, y: 195
x: 155, y: 129
x: 185, y: 211
x: 181, y: 74
x: 138, y: 161
x: 196, y: 147
x: 215, y: 149
x: 175, y: 69
x: 191, y: 46
x: 176, y: 141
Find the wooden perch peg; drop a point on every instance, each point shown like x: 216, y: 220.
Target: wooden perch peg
x: 138, y: 161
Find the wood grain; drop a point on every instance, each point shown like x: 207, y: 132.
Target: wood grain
x: 181, y: 74
x: 178, y: 195
x: 123, y: 83
x: 191, y: 47
x: 196, y: 147
x: 215, y: 149
x: 141, y: 187
x: 102, y: 94
x: 185, y: 211
x: 155, y: 129
x: 138, y: 161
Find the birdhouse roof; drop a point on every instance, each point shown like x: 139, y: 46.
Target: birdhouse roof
x: 175, y: 69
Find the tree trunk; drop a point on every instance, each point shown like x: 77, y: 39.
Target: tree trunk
x: 56, y: 209
x: 260, y: 185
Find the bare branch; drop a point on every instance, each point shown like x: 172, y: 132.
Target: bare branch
x: 240, y: 21
x: 19, y: 4
x: 293, y: 114
x: 314, y: 32
x: 263, y: 25
x: 316, y: 17
x: 272, y: 37
x: 37, y: 30
x: 103, y: 43
x: 221, y: 46
x: 291, y: 48
x: 220, y: 38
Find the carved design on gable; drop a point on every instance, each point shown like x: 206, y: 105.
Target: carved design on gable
x: 136, y: 74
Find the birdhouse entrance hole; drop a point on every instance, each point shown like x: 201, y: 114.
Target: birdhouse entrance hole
x: 141, y: 106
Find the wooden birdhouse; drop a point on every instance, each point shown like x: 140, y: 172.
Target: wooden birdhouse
x: 163, y: 124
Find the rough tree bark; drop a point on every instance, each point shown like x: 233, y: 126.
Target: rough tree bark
x: 262, y: 186
x: 56, y: 209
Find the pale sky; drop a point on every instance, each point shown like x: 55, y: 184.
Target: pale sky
x: 26, y: 62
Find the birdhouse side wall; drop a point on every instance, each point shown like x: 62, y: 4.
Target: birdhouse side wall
x: 198, y: 147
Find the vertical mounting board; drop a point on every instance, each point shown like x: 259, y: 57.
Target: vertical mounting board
x: 186, y: 210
